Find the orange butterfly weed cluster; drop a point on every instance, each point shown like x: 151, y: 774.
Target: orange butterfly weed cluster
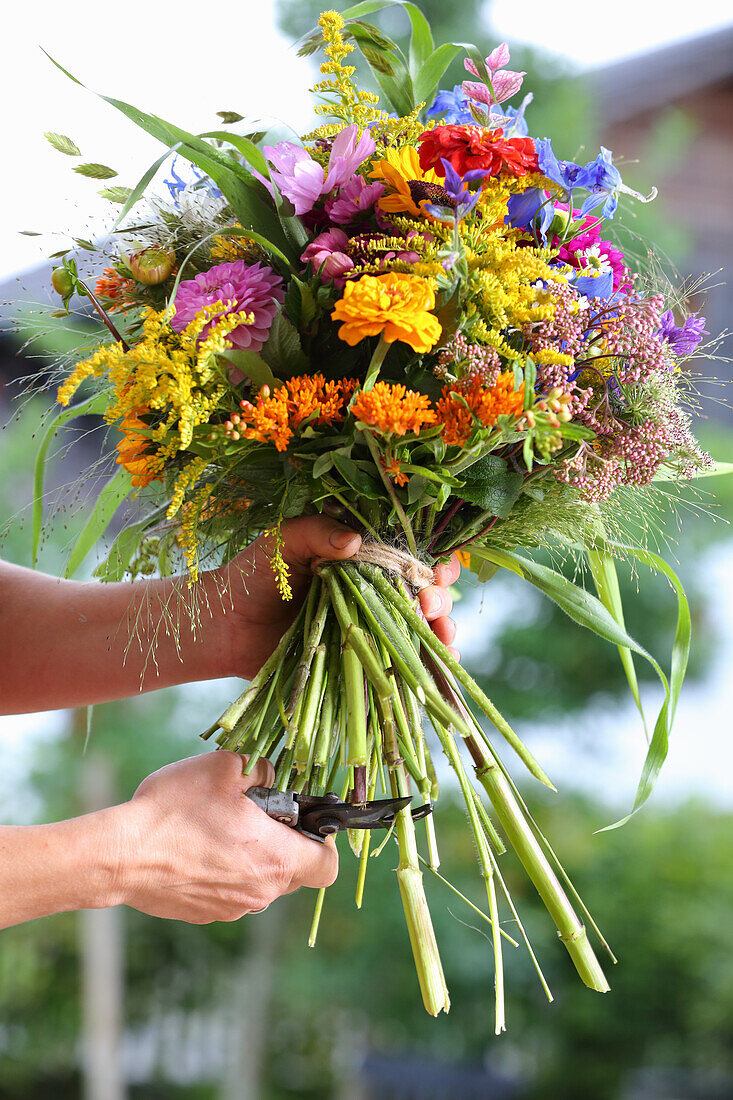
x: 393, y: 409
x: 460, y: 407
x: 276, y: 415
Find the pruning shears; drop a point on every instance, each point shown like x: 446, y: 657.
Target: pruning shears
x: 322, y: 816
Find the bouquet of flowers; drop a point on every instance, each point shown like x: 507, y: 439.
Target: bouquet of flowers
x: 414, y: 321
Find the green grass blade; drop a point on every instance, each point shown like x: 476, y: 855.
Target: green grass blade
x: 92, y: 406
x: 112, y: 495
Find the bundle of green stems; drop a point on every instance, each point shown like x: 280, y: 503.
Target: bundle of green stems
x: 339, y: 704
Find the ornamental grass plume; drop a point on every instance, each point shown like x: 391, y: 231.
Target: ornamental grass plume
x: 395, y: 306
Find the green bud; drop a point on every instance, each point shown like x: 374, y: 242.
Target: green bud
x: 62, y: 282
x: 151, y: 266
x: 560, y: 222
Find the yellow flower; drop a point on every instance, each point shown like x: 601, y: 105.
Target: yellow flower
x: 396, y: 306
x: 399, y: 167
x: 393, y: 409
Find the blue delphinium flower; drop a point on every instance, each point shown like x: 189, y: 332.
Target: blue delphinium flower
x: 532, y: 210
x: 683, y: 339
x: 176, y: 184
x: 600, y: 178
x: 453, y: 106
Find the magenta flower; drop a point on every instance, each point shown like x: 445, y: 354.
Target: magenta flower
x: 302, y: 180
x: 505, y: 82
x: 327, y: 256
x: 354, y: 199
x: 250, y: 288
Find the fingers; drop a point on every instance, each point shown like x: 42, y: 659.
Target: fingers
x: 316, y: 864
x: 444, y: 630
x: 262, y: 775
x: 446, y: 573
x: 435, y: 602
x: 312, y: 537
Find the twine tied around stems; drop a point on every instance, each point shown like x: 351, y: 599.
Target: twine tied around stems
x: 394, y: 560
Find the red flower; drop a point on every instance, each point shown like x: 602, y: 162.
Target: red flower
x: 471, y: 147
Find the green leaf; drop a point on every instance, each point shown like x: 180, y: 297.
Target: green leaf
x: 95, y: 171
x: 93, y: 406
x: 396, y: 84
x: 247, y: 197
x: 359, y: 480
x: 492, y: 486
x: 605, y: 578
x: 282, y: 350
x: 112, y: 495
x: 116, y: 194
x: 251, y: 364
x: 64, y: 144
x: 417, y: 488
x: 431, y: 73
x: 89, y: 246
x: 243, y: 145
x: 322, y: 465
x: 589, y: 612
x: 718, y: 469
x: 229, y: 117
x: 421, y: 39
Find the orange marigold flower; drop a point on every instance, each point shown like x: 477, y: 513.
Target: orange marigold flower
x: 394, y: 305
x: 482, y: 403
x: 393, y: 409
x: 275, y: 415
x: 114, y: 287
x: 133, y: 450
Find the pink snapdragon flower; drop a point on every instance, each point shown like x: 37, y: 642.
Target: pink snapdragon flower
x: 355, y: 198
x: 506, y: 82
x: 239, y: 287
x: 303, y: 181
x: 327, y: 255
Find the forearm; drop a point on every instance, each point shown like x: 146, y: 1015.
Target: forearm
x: 73, y: 864
x: 69, y: 643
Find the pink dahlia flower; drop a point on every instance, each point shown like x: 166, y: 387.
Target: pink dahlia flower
x: 354, y: 199
x: 249, y: 288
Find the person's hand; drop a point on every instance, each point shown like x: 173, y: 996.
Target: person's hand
x: 198, y: 850
x: 258, y: 616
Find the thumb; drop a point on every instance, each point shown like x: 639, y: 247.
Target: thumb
x: 262, y: 775
x: 312, y: 537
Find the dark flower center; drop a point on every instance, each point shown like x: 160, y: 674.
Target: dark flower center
x: 433, y: 192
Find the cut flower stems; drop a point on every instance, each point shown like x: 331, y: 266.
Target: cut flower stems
x: 417, y: 321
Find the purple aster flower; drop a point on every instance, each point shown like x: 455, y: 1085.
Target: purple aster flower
x: 249, y: 288
x: 354, y: 199
x: 683, y: 339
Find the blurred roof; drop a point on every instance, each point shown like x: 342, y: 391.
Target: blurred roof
x: 652, y: 80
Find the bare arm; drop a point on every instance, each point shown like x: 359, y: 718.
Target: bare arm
x: 70, y: 643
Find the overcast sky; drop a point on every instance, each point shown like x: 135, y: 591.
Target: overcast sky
x: 158, y: 57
